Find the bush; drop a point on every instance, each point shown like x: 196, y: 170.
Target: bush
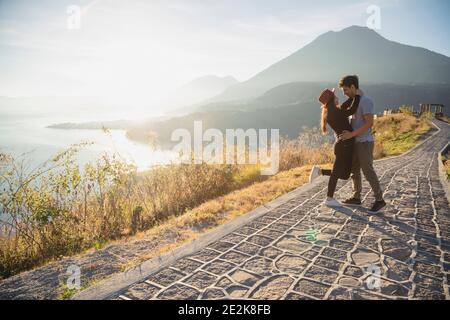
x: 406, y: 110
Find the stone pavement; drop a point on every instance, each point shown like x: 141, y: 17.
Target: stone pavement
x: 296, y: 250
x: 303, y: 250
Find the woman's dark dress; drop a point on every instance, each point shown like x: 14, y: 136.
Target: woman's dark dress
x: 338, y: 120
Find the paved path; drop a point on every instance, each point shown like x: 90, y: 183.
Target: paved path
x: 403, y: 253
x: 273, y: 257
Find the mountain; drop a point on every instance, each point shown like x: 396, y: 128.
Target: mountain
x: 288, y: 107
x: 198, y: 90
x: 354, y: 50
x: 383, y: 95
x: 284, y: 96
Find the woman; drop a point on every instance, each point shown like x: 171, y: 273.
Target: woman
x: 337, y: 117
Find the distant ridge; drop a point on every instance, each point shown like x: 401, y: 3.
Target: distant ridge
x: 353, y: 50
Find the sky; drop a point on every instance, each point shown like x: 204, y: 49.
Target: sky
x: 139, y: 50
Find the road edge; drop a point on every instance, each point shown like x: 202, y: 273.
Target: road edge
x: 444, y: 181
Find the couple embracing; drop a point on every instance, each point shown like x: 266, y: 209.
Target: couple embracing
x: 354, y: 143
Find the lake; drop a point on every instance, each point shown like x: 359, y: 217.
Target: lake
x: 28, y: 134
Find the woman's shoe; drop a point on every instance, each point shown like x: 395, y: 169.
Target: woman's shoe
x: 331, y: 202
x: 352, y: 202
x: 377, y: 206
x: 315, y: 172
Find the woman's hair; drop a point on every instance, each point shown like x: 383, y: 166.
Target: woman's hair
x: 323, y: 118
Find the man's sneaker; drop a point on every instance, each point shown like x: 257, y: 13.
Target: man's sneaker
x: 352, y: 202
x: 314, y: 173
x: 331, y: 202
x: 377, y: 206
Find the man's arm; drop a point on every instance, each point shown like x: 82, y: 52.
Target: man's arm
x: 367, y: 111
x: 368, y: 123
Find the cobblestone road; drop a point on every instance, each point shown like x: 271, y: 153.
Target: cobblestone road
x: 303, y: 250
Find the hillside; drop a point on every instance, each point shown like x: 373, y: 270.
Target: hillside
x: 288, y: 107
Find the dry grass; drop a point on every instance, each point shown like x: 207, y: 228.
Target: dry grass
x: 397, y: 133
x: 446, y: 163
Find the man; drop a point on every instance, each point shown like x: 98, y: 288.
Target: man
x: 362, y: 122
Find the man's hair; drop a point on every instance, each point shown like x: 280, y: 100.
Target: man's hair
x: 348, y: 81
